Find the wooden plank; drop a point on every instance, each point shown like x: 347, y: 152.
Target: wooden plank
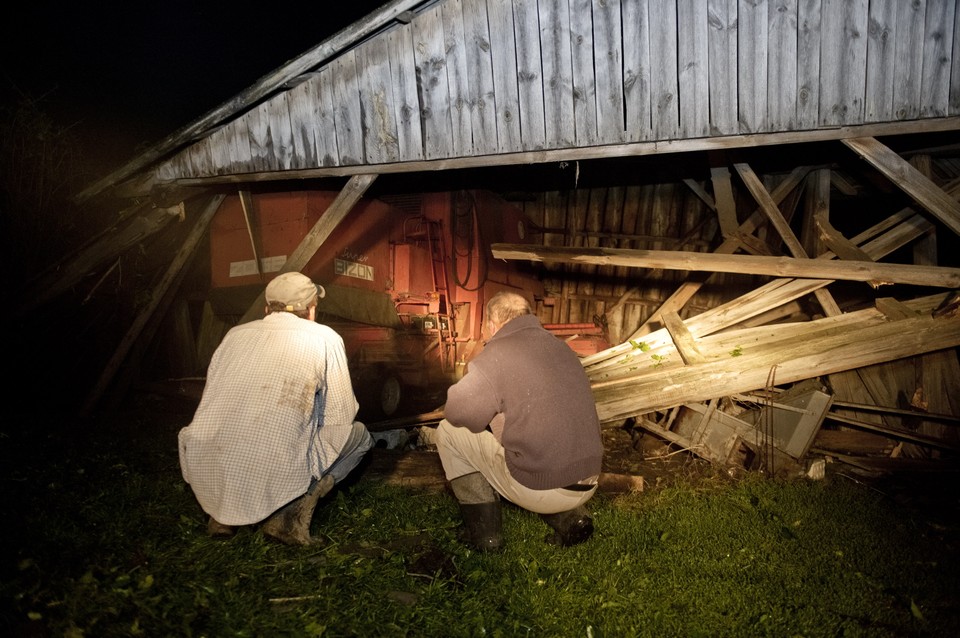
x: 752, y: 45
x: 303, y: 107
x: 346, y: 110
x: 482, y: 103
x: 530, y: 85
x: 246, y: 205
x: 908, y: 60
x: 685, y: 343
x: 280, y: 132
x: 930, y: 196
x: 693, y: 62
x: 881, y: 60
x: 325, y: 133
x: 454, y: 41
x: 157, y: 295
x: 504, y: 57
x: 937, y: 46
x: 843, y: 61
x: 664, y: 84
x: 257, y: 125
x: 954, y: 107
x: 378, y: 115
x: 430, y: 56
x: 636, y: 69
x: 726, y: 206
x: 782, y: 65
x: 608, y: 65
x: 722, y: 55
x: 808, y: 64
x: 557, y: 74
x: 346, y: 199
x: 584, y: 80
x: 403, y: 74
x: 937, y: 276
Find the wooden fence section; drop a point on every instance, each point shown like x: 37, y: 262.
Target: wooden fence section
x: 468, y: 78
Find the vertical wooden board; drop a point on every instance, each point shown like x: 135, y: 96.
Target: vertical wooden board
x: 636, y: 70
x: 664, y: 90
x: 694, y: 66
x: 782, y: 65
x: 526, y: 27
x: 843, y: 61
x: 300, y: 100
x: 280, y: 132
x: 482, y: 98
x: 722, y: 54
x: 881, y: 61
x: 220, y: 150
x: 238, y: 137
x: 584, y: 78
x: 325, y: 128
x: 808, y: 64
x: 752, y: 43
x: 954, y: 107
x: 258, y: 126
x: 504, y: 57
x: 403, y: 74
x: 908, y: 60
x: 346, y: 111
x: 430, y: 58
x: 937, y: 46
x: 557, y: 75
x: 377, y: 111
x: 461, y: 139
x: 608, y: 62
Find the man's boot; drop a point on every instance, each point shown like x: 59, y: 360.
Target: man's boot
x: 480, y: 508
x: 569, y: 528
x: 291, y: 523
x: 216, y: 529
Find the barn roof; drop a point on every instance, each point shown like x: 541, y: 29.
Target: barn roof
x: 444, y: 84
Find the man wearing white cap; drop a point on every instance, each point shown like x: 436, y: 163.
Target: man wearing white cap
x: 275, y: 428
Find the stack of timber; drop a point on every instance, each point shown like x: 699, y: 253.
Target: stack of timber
x: 876, y: 385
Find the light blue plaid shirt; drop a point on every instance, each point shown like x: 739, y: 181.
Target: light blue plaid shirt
x: 277, y: 409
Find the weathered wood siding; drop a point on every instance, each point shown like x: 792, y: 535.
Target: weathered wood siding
x: 480, y: 77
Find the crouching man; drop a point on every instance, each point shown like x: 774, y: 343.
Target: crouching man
x: 275, y: 429
x: 522, y: 424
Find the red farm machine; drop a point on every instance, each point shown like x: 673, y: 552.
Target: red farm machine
x: 405, y: 280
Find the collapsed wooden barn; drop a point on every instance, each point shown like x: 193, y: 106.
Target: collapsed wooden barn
x: 755, y: 203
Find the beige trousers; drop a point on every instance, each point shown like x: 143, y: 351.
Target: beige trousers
x: 464, y: 452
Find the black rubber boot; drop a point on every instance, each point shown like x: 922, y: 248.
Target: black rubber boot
x: 291, y: 523
x: 480, y: 508
x: 569, y: 528
x: 482, y: 526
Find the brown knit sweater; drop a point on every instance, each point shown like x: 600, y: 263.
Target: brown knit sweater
x: 551, y: 434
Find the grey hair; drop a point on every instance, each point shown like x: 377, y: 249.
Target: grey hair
x: 505, y: 305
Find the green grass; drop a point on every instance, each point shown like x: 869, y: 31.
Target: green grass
x: 103, y: 538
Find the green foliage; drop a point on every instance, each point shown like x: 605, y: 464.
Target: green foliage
x: 112, y: 544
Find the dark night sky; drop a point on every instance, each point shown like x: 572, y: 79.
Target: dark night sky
x: 126, y: 75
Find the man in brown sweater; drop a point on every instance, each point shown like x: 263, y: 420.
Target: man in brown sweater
x: 521, y: 424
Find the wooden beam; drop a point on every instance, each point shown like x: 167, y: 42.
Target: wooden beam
x: 329, y: 220
x: 685, y: 343
x: 942, y: 277
x: 914, y: 183
x: 795, y: 360
x: 156, y: 296
x: 246, y: 203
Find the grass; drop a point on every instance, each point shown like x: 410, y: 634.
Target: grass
x: 103, y: 538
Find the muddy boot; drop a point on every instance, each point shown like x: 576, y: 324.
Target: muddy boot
x: 569, y: 528
x: 480, y: 508
x: 216, y: 529
x: 291, y: 523
x: 482, y: 525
